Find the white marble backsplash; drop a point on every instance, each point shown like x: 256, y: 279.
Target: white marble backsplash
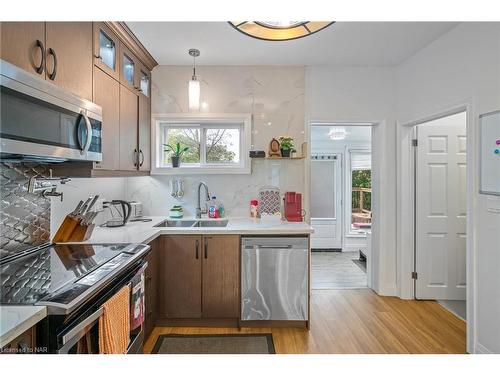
x: 235, y: 191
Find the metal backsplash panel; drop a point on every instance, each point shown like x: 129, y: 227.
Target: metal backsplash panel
x: 24, y: 217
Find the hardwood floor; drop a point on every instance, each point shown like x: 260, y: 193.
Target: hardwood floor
x: 358, y: 321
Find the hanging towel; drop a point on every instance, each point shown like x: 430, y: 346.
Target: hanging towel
x: 114, y: 324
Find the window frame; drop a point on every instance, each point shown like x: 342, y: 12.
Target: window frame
x: 204, y: 121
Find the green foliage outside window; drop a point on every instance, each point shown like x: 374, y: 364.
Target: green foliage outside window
x: 361, y: 179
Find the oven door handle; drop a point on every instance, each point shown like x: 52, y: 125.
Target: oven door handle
x: 75, y: 331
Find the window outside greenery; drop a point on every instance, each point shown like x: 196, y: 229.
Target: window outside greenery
x: 221, y: 145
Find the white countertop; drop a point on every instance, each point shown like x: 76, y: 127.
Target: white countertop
x: 145, y: 232
x: 14, y: 320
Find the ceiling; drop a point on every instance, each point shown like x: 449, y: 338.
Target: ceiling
x: 343, y: 43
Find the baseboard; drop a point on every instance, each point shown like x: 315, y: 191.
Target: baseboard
x: 481, y: 349
x: 388, y: 290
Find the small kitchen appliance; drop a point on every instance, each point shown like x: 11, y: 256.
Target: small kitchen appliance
x: 293, y: 206
x: 120, y: 213
x: 136, y: 210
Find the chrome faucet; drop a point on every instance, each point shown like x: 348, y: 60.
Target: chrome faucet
x: 199, y: 211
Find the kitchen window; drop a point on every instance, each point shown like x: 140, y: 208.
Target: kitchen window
x: 216, y: 144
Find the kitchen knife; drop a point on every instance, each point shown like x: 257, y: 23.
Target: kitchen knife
x: 83, y: 208
x: 92, y: 202
x: 77, y: 208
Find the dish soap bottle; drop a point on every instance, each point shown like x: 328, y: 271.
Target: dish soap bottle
x: 213, y: 208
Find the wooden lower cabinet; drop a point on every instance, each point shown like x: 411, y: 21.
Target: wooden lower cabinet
x: 180, y: 276
x: 151, y: 292
x: 23, y: 344
x: 199, y: 277
x: 220, y: 276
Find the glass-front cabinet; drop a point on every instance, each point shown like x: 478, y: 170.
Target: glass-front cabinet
x: 129, y: 66
x: 144, y: 81
x: 106, y: 49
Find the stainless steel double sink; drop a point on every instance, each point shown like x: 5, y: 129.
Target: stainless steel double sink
x: 192, y: 223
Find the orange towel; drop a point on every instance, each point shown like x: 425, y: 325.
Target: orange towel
x: 114, y: 324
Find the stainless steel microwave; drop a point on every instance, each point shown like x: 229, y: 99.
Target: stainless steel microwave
x: 41, y: 121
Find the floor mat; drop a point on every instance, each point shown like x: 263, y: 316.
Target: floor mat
x: 215, y: 344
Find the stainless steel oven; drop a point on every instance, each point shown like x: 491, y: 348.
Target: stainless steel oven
x: 73, y: 281
x: 81, y: 335
x: 41, y: 121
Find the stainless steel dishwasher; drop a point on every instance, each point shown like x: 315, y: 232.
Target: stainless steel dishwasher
x: 274, y: 278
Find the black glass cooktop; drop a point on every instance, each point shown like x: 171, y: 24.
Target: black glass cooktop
x: 29, y: 279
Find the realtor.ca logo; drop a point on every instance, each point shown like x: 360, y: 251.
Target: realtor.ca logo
x: 24, y: 350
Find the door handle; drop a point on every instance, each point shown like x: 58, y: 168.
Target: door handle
x: 89, y: 133
x: 206, y: 248
x: 135, y: 157
x: 52, y: 76
x: 274, y: 246
x: 142, y: 158
x: 197, y: 249
x: 39, y: 44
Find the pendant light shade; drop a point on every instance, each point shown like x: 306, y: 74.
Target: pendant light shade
x: 279, y: 30
x: 194, y: 94
x: 194, y: 84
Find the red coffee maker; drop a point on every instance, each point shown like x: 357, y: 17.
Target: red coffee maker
x: 293, y: 206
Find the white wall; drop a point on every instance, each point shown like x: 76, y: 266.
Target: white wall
x: 463, y: 67
x: 345, y: 94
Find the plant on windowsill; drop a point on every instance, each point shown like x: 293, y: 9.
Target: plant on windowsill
x: 177, y: 152
x: 286, y: 145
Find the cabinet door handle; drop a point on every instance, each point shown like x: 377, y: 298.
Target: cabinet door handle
x: 206, y: 248
x: 197, y: 249
x: 142, y: 158
x: 135, y: 157
x: 52, y: 76
x: 39, y: 44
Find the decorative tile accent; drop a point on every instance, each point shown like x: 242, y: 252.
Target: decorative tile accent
x: 24, y: 217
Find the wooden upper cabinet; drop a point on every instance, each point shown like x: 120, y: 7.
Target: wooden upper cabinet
x: 180, y: 277
x: 69, y: 62
x: 107, y: 95
x: 106, y: 50
x: 144, y: 133
x: 220, y: 266
x: 23, y: 44
x: 129, y: 65
x: 129, y: 154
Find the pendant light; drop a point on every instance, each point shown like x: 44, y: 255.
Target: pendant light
x: 194, y: 84
x: 279, y: 30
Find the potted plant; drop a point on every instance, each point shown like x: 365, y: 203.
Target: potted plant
x: 286, y: 145
x: 177, y: 152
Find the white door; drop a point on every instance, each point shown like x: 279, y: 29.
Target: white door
x: 326, y: 198
x: 441, y: 208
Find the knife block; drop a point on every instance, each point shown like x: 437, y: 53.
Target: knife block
x: 65, y: 230
x: 72, y: 230
x: 82, y: 233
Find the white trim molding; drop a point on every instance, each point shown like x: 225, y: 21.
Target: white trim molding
x: 245, y: 119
